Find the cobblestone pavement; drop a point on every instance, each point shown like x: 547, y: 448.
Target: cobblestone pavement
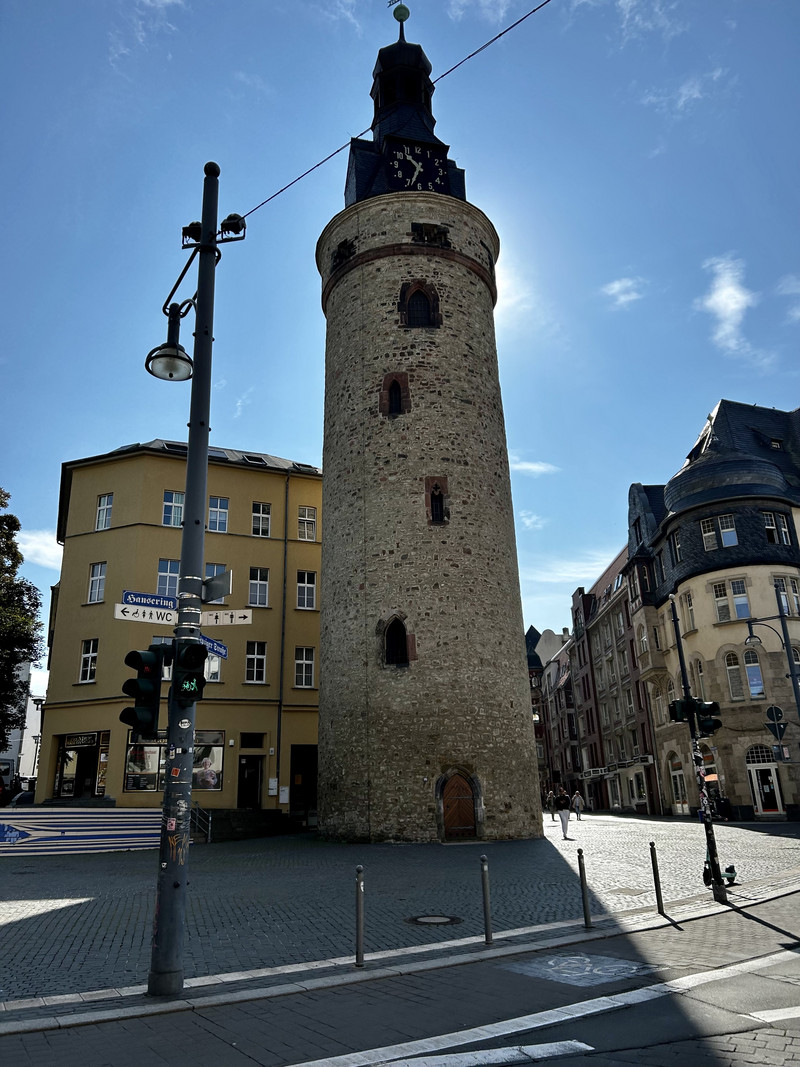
x: 82, y: 923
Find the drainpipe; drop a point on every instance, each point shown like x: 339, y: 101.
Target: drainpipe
x: 283, y: 637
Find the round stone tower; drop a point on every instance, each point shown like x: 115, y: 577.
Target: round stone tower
x: 425, y: 724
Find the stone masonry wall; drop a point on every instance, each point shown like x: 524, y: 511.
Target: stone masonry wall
x: 389, y: 735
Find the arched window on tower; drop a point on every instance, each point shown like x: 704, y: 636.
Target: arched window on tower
x: 437, y: 506
x: 419, y: 305
x: 395, y: 398
x: 396, y: 644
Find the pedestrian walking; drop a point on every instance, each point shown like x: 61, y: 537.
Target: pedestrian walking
x: 550, y: 804
x: 577, y: 804
x: 562, y: 807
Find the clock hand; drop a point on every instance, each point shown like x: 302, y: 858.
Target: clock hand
x: 417, y: 167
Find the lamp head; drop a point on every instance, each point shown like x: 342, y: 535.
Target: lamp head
x: 170, y: 362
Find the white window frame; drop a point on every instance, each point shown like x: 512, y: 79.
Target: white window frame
x: 168, y: 575
x: 262, y: 517
x: 741, y: 603
x: 105, y: 503
x: 256, y: 663
x: 735, y: 687
x: 708, y: 529
x: 89, y: 650
x: 304, y: 667
x: 721, y: 602
x: 306, y: 523
x: 218, y: 514
x: 213, y: 668
x: 727, y: 531
x: 166, y: 670
x: 97, y: 583
x: 755, y: 680
x: 306, y: 590
x: 172, y: 510
x: 258, y: 595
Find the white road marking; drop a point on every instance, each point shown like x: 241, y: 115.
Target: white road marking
x: 513, y: 1054
x: 391, y: 1054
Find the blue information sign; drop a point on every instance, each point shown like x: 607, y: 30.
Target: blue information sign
x: 216, y: 648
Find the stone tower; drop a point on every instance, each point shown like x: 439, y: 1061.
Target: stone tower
x: 425, y: 717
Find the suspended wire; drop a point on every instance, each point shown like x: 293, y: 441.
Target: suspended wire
x: 363, y: 133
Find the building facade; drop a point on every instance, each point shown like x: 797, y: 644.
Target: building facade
x: 426, y: 729
x: 119, y: 521
x: 720, y: 542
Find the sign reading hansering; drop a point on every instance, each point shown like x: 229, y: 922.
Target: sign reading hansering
x: 150, y: 600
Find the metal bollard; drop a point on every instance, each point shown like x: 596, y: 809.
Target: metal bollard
x: 487, y: 907
x: 656, y: 879
x: 587, y: 915
x: 359, y: 916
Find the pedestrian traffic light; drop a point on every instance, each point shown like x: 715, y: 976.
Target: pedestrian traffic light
x: 677, y: 711
x: 145, y: 688
x: 706, y: 723
x: 188, y: 677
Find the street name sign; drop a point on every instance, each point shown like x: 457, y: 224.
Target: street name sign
x: 216, y: 648
x: 777, y: 729
x: 149, y: 600
x: 243, y: 617
x: 155, y: 616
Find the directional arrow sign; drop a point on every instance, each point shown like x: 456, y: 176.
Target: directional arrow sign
x: 155, y: 616
x: 226, y: 617
x: 777, y: 729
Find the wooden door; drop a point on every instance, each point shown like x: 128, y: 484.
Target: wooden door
x: 459, y: 807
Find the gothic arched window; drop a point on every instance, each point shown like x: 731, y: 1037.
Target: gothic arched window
x: 396, y: 643
x: 394, y: 397
x: 419, y: 305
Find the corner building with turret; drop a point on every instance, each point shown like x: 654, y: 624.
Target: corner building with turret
x: 425, y: 731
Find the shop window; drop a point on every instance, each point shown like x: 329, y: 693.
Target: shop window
x: 146, y: 762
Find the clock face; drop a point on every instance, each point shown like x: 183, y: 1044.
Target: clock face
x: 417, y: 167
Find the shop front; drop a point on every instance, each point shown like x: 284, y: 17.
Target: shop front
x: 81, y: 765
x: 146, y: 760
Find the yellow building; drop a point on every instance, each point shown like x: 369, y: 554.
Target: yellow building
x: 119, y: 521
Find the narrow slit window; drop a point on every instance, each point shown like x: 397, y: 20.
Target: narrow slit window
x: 396, y: 644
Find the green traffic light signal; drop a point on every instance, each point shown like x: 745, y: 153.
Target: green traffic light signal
x: 188, y: 679
x: 145, y: 689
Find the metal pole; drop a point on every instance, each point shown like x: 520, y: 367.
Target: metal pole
x: 359, y: 916
x: 487, y: 906
x: 166, y: 964
x: 717, y: 884
x: 789, y: 654
x: 656, y: 879
x: 587, y: 915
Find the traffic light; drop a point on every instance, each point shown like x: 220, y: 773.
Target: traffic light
x: 188, y: 676
x: 145, y: 688
x: 677, y: 711
x: 706, y: 723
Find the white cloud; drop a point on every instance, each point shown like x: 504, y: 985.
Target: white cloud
x: 789, y: 285
x: 144, y: 19
x: 649, y: 16
x: 490, y: 10
x: 572, y: 570
x: 253, y: 81
x: 623, y: 291
x: 530, y: 467
x: 344, y: 10
x: 680, y: 101
x: 531, y: 521
x: 728, y: 300
x: 41, y: 547
x: 243, y: 400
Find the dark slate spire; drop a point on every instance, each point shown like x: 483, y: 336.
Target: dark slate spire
x: 402, y: 91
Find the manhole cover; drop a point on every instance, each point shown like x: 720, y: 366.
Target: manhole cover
x: 434, y: 920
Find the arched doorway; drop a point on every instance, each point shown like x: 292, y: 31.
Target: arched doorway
x: 458, y: 800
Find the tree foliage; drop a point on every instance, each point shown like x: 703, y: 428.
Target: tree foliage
x: 20, y: 629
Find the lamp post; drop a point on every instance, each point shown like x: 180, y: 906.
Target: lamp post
x: 717, y: 884
x: 754, y: 639
x: 170, y: 362
x: 38, y: 704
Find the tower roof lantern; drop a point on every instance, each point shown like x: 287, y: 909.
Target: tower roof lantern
x: 402, y: 90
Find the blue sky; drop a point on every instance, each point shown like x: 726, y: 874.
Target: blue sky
x: 639, y: 159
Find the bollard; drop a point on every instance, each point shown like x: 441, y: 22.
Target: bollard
x: 359, y: 916
x: 656, y: 879
x: 487, y: 908
x: 587, y: 915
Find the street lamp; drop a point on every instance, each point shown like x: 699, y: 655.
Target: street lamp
x: 170, y: 362
x: 717, y: 884
x: 39, y: 704
x: 754, y: 639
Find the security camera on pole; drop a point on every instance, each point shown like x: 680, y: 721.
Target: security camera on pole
x: 688, y: 711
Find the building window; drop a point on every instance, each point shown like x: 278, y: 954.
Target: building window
x: 642, y: 632
x: 394, y: 397
x: 740, y: 602
x: 700, y: 679
x: 97, y: 582
x: 213, y: 668
x: 213, y: 569
x: 721, y: 602
x: 89, y: 659
x: 256, y: 662
x: 261, y: 517
x: 259, y: 587
x: 419, y: 305
x: 656, y: 637
x: 675, y: 546
x: 218, y: 514
x: 145, y: 765
x: 436, y: 501
x: 104, y: 503
x: 304, y: 668
x: 306, y: 590
x: 168, y: 573
x: 396, y: 644
x: 727, y: 530
x: 752, y: 669
x: 173, y: 508
x: 780, y: 589
x: 734, y: 676
x: 777, y: 528
x: 306, y: 524
x: 166, y: 670
x: 688, y: 611
x: 709, y: 532
x: 795, y: 588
